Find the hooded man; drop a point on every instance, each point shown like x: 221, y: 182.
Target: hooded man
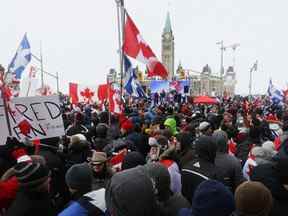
x: 85, y: 202
x: 131, y: 192
x: 230, y: 165
x: 170, y: 202
x: 201, y: 169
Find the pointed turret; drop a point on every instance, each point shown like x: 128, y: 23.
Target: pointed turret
x: 168, y: 47
x: 167, y: 28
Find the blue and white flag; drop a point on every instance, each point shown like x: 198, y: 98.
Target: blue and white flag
x: 132, y: 86
x: 21, y: 59
x: 276, y: 94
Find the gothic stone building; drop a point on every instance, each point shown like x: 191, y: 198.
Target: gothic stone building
x: 201, y: 83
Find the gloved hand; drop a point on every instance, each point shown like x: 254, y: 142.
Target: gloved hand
x: 16, y: 149
x: 12, y: 144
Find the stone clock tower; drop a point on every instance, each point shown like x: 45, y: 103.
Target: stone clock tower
x: 168, y: 47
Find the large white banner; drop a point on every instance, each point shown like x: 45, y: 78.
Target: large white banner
x: 43, y: 112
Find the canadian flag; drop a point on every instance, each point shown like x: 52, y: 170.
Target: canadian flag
x: 82, y: 93
x: 136, y: 47
x: 115, y: 102
x: 111, y: 93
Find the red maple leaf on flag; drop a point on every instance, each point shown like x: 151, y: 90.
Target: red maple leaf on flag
x: 87, y: 94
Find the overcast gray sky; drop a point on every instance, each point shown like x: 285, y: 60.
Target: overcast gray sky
x: 79, y: 38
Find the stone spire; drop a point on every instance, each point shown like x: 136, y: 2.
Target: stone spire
x: 167, y: 28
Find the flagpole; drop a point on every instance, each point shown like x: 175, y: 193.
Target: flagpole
x: 254, y: 67
x: 42, y: 70
x: 121, y: 23
x: 108, y: 97
x: 122, y: 56
x: 29, y: 86
x: 2, y: 70
x: 57, y: 79
x: 250, y: 84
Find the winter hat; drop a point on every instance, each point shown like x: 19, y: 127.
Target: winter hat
x: 185, y: 139
x: 184, y: 212
x: 127, y: 125
x: 153, y: 142
x: 31, y: 175
x: 101, y: 130
x: 98, y: 157
x: 79, y: 177
x: 204, y: 126
x: 212, y: 198
x: 269, y: 145
x: 253, y: 198
x: 205, y: 148
x: 132, y: 159
x: 77, y: 138
x: 160, y: 178
x: 261, y: 155
x: 131, y: 192
x: 171, y: 124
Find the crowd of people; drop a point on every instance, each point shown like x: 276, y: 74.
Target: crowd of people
x: 160, y: 158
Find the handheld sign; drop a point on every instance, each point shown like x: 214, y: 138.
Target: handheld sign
x: 42, y: 112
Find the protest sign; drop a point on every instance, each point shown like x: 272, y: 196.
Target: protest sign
x: 43, y: 113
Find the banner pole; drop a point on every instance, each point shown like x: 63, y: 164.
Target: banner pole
x: 3, y: 94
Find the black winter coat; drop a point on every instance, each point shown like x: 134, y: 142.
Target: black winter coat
x: 230, y: 169
x: 267, y: 174
x: 196, y: 172
x: 31, y: 204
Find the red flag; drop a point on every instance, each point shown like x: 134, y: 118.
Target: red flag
x: 73, y: 92
x: 82, y: 93
x: 112, y: 94
x: 115, y: 103
x: 135, y: 47
x: 103, y: 92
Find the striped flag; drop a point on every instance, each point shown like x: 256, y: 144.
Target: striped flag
x: 276, y: 94
x: 133, y: 86
x: 20, y: 60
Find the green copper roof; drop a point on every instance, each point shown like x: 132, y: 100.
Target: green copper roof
x: 167, y: 28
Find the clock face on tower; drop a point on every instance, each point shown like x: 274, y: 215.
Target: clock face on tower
x: 167, y: 36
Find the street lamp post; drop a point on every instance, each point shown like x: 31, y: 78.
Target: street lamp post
x: 45, y: 72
